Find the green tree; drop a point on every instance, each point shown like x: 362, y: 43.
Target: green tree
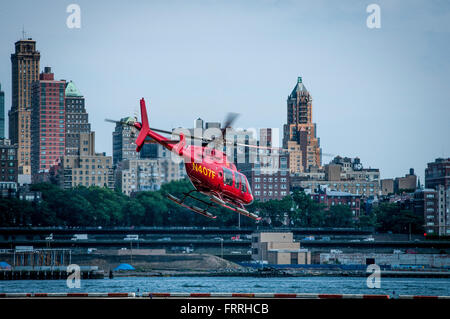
x: 391, y: 217
x: 339, y: 216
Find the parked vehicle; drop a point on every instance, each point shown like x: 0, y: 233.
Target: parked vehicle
x: 80, y: 237
x: 131, y: 237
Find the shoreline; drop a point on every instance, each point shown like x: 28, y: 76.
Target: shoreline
x: 388, y: 274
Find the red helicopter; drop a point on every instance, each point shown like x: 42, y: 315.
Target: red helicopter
x: 208, y: 169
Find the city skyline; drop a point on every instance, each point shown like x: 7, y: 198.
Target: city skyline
x: 377, y: 77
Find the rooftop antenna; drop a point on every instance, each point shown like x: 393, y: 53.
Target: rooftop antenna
x: 23, y: 32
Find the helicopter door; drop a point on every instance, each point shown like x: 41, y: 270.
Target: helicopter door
x: 237, y: 181
x: 227, y: 177
x: 244, y: 184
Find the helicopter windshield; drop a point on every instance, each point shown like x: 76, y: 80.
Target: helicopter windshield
x: 245, y: 184
x: 227, y: 177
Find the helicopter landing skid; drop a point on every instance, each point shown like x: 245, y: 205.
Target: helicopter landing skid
x: 196, y: 209
x: 239, y: 210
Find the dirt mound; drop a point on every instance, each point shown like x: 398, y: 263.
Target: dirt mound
x: 191, y: 262
x: 176, y: 262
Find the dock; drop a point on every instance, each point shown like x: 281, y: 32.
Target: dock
x: 48, y: 273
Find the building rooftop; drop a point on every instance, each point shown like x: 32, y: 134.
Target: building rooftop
x: 425, y: 190
x: 301, y: 250
x: 338, y: 193
x: 72, y: 90
x: 299, y: 87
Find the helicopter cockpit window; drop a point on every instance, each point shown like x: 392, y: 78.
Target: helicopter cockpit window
x: 244, y: 184
x: 227, y: 177
x: 237, y: 181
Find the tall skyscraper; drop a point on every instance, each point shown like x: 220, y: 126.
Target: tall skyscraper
x: 243, y: 157
x: 47, y: 124
x: 265, y: 137
x: 124, y: 136
x: 77, y: 121
x: 25, y: 70
x: 2, y: 113
x: 300, y: 131
x: 154, y: 150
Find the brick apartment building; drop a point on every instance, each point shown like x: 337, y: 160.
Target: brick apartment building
x: 47, y: 124
x: 270, y: 179
x: 86, y: 169
x: 334, y: 198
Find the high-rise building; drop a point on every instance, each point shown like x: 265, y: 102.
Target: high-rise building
x: 8, y: 166
x: 265, y: 137
x: 438, y: 173
x: 147, y: 174
x: 77, y: 121
x: 2, y: 113
x: 47, y: 124
x: 25, y: 70
x: 437, y: 177
x: 154, y: 150
x: 137, y: 175
x: 425, y: 204
x: 198, y: 123
x: 243, y: 157
x: 124, y: 136
x: 270, y: 177
x: 301, y: 131
x: 86, y: 169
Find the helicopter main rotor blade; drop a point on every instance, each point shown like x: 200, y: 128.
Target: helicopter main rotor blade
x: 256, y: 146
x: 114, y: 121
x: 178, y: 134
x: 229, y: 120
x: 271, y: 148
x: 175, y: 133
x: 152, y: 141
x: 159, y: 130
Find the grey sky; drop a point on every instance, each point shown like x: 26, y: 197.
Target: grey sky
x: 380, y: 94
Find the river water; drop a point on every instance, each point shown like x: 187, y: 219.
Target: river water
x: 330, y: 285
